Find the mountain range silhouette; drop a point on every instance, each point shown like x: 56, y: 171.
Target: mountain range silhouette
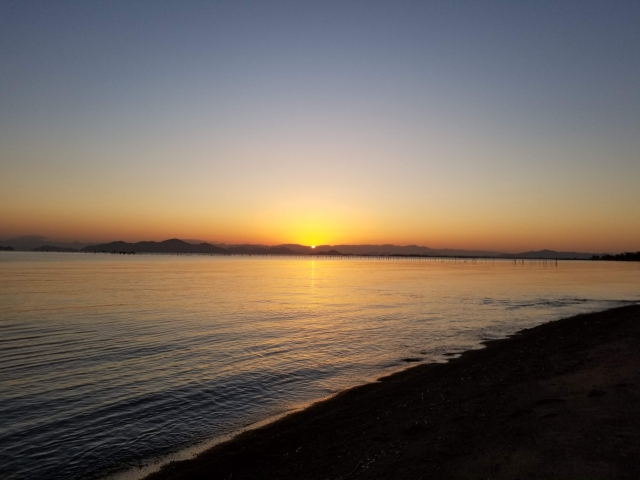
x: 178, y: 246
x: 175, y: 245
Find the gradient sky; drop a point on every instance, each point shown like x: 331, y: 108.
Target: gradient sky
x: 489, y: 125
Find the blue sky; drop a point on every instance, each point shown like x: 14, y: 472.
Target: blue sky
x: 502, y: 125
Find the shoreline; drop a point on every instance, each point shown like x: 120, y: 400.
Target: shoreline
x: 542, y: 403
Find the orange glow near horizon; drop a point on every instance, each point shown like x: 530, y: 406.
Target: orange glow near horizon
x: 490, y: 233
x: 437, y: 209
x: 273, y: 198
x: 291, y: 124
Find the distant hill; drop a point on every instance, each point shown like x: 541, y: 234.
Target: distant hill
x: 330, y: 252
x: 549, y: 254
x: 180, y: 246
x: 385, y: 249
x: 29, y: 242
x: 295, y: 248
x: 621, y: 257
x: 52, y: 248
x: 388, y: 249
x: 168, y: 246
x: 6, y: 249
x: 259, y: 250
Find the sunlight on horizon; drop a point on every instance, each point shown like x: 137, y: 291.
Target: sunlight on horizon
x: 412, y: 123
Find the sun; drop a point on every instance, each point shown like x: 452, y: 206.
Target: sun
x: 313, y: 246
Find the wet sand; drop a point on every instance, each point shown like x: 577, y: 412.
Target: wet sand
x: 559, y: 401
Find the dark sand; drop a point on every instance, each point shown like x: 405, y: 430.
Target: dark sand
x: 559, y: 401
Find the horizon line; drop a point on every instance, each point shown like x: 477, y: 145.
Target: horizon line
x: 45, y: 240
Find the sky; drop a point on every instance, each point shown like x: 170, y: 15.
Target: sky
x: 505, y: 126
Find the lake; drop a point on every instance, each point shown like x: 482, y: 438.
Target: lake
x: 108, y: 362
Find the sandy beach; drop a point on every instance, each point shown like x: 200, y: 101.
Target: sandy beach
x: 556, y: 401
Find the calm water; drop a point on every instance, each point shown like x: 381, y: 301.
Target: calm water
x: 108, y: 361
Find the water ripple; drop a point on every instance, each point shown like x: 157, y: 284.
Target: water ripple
x: 106, y: 362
